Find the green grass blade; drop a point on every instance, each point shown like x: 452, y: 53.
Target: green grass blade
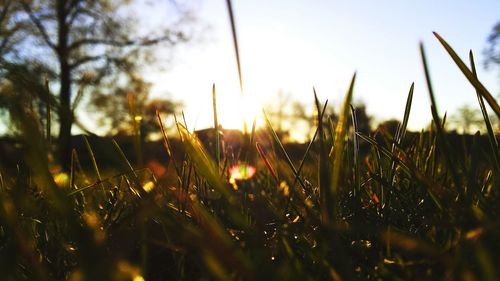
x: 282, y: 148
x: 166, y: 143
x: 94, y: 164
x: 263, y: 155
x: 320, y: 115
x: 235, y: 43
x: 340, y: 144
x: 204, y: 164
x: 124, y: 158
x: 49, y: 116
x: 446, y: 151
x: 357, y: 175
x: 216, y: 128
x: 470, y: 76
x: 491, y: 135
x: 324, y: 167
x: 72, y: 170
x: 402, y: 130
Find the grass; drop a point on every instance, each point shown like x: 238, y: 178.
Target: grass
x: 368, y: 207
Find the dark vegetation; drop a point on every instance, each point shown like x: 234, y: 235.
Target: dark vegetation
x: 351, y: 204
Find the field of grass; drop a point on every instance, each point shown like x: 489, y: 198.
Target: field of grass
x: 406, y: 208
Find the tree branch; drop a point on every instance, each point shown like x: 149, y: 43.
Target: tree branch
x: 39, y: 26
x: 85, y: 59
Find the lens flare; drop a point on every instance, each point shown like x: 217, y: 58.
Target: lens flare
x: 240, y: 172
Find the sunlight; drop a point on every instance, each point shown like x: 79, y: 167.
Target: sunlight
x: 234, y: 112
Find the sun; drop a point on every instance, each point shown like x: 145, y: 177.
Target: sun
x: 239, y: 111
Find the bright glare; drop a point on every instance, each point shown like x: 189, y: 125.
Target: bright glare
x: 234, y: 112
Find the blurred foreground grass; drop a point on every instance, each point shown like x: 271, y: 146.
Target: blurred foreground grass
x: 406, y: 208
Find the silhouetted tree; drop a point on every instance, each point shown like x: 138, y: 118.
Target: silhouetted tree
x: 466, y: 118
x: 80, y: 38
x: 492, y: 52
x: 114, y: 113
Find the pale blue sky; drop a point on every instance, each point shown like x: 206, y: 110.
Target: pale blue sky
x: 295, y: 45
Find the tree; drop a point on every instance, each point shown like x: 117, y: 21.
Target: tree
x: 11, y: 29
x: 492, y: 52
x: 81, y: 38
x: 114, y: 113
x: 467, y: 118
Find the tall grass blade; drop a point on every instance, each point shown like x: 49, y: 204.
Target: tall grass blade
x: 235, y: 43
x: 263, y: 155
x: 216, y: 128
x: 204, y: 164
x: 282, y: 148
x: 337, y: 156
x: 491, y: 135
x: 320, y: 115
x: 124, y: 158
x: 400, y: 134
x: 72, y: 173
x: 136, y: 125
x: 446, y: 151
x: 470, y: 76
x: 49, y: 116
x: 166, y: 142
x: 94, y: 164
x: 357, y: 173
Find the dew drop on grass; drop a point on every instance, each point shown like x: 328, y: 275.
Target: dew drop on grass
x: 362, y: 244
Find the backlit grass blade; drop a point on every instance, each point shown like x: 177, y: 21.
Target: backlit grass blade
x: 136, y: 125
x: 282, y: 148
x: 235, y: 43
x: 204, y: 164
x: 263, y: 155
x: 402, y: 131
x: 94, y: 164
x: 446, y: 152
x: 491, y: 135
x: 124, y: 158
x: 216, y: 128
x: 400, y: 134
x: 357, y: 175
x: 337, y: 157
x: 48, y: 112
x: 2, y: 184
x: 319, y: 117
x: 72, y: 170
x: 470, y: 76
x: 166, y: 142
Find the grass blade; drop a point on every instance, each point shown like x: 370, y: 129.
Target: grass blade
x: 447, y: 153
x: 282, y: 148
x: 49, y: 116
x: 470, y: 76
x: 320, y: 115
x: 357, y: 175
x: 324, y: 178
x: 235, y: 43
x: 337, y: 154
x: 263, y: 154
x: 216, y: 128
x: 400, y: 134
x: 94, y: 164
x: 491, y: 135
x: 202, y: 161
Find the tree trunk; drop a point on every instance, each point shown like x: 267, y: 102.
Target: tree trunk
x: 65, y: 118
x: 65, y: 113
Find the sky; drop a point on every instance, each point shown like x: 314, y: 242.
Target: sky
x: 295, y: 45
